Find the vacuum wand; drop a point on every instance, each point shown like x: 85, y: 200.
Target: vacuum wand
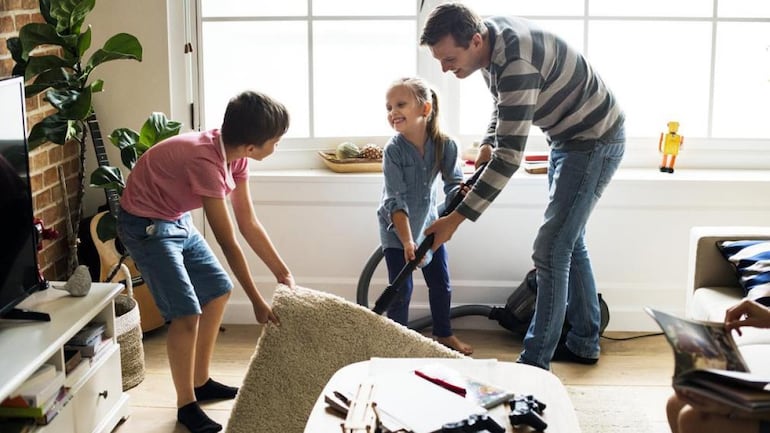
x: 390, y: 293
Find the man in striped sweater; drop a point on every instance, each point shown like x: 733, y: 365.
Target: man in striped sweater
x: 537, y: 79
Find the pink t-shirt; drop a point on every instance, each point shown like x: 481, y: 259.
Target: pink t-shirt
x: 172, y: 176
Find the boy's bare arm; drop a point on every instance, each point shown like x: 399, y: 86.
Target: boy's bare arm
x: 222, y: 226
x: 256, y: 235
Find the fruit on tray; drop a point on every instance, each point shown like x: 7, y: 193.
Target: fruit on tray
x: 346, y: 149
x: 371, y: 151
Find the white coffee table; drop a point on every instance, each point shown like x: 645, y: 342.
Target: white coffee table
x: 520, y: 379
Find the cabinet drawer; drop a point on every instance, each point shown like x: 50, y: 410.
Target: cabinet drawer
x: 94, y: 400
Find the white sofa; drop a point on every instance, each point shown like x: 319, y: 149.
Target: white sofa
x: 713, y: 287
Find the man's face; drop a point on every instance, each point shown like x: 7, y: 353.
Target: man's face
x: 461, y: 61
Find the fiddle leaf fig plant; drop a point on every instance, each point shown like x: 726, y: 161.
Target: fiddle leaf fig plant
x: 132, y: 145
x: 65, y: 77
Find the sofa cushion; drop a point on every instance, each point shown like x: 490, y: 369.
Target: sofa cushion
x: 751, y: 259
x: 711, y: 303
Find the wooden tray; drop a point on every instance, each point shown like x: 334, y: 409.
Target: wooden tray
x: 350, y: 165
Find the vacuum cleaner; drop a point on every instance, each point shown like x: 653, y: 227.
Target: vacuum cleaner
x: 514, y: 316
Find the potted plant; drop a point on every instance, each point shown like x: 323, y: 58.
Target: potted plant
x: 66, y: 79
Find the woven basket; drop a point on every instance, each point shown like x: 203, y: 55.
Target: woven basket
x: 128, y: 331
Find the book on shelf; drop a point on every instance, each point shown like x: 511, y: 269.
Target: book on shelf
x: 92, y: 348
x: 72, y: 358
x: 61, y: 400
x: 43, y: 412
x: 77, y: 373
x: 36, y: 381
x: 708, y: 363
x: 89, y: 334
x: 35, y: 396
x: 477, y: 391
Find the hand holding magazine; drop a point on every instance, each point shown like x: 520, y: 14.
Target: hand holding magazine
x: 709, y: 365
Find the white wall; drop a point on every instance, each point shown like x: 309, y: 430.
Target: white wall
x: 324, y: 226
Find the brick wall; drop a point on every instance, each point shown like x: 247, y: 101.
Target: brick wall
x: 47, y: 191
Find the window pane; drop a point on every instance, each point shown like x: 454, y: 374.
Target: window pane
x: 742, y: 80
x: 744, y: 8
x: 652, y: 8
x: 526, y: 8
x: 475, y: 111
x: 251, y: 8
x: 350, y: 77
x: 261, y: 64
x: 658, y: 76
x: 358, y: 7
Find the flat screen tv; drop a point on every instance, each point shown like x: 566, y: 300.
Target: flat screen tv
x: 19, y: 276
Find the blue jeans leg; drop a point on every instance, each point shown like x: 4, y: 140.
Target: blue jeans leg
x: 399, y: 308
x: 436, y: 276
x: 577, y: 179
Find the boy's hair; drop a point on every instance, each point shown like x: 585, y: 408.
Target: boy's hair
x: 253, y: 118
x: 424, y: 93
x: 453, y: 19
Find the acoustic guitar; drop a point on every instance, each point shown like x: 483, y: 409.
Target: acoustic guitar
x: 111, y: 252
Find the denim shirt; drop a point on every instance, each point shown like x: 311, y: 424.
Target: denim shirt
x: 409, y: 186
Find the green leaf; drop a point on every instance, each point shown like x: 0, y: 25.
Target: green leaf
x: 33, y: 35
x: 56, y: 78
x: 70, y: 14
x: 72, y: 104
x: 97, y: 86
x: 157, y: 128
x: 40, y: 64
x: 14, y: 47
x: 108, y: 177
x: 84, y: 42
x: 129, y: 157
x: 45, y: 11
x: 53, y: 128
x: 120, y: 46
x: 106, y: 228
x: 124, y: 137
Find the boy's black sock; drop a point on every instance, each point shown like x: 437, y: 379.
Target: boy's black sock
x: 192, y: 416
x: 212, y: 390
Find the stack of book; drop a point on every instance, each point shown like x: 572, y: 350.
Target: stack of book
x: 89, y: 341
x: 39, y: 398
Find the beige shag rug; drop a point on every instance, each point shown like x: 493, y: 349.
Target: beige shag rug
x: 319, y: 334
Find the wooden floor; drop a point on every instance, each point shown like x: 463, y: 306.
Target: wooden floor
x: 624, y: 393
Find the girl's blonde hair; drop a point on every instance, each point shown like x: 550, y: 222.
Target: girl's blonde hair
x: 424, y: 93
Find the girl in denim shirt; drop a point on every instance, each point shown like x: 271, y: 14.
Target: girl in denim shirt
x: 412, y: 161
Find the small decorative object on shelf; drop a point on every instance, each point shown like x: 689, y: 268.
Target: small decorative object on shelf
x: 350, y: 158
x: 669, y: 145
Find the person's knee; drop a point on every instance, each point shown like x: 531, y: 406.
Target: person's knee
x: 691, y: 420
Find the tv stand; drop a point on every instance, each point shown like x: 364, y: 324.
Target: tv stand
x: 19, y: 314
x: 96, y: 401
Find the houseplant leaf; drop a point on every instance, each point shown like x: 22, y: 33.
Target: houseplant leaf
x: 56, y: 78
x: 120, y: 46
x: 33, y: 35
x: 108, y: 177
x: 72, y: 104
x: 70, y: 14
x: 40, y: 64
x: 54, y: 128
x: 155, y: 129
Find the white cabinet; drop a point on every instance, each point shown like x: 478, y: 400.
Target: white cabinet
x: 97, y: 401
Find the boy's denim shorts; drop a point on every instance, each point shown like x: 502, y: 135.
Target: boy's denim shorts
x: 175, y: 261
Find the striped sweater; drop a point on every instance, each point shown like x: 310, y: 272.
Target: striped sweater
x: 536, y: 79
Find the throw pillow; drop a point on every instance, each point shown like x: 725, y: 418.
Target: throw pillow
x: 751, y: 259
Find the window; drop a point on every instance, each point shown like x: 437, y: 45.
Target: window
x: 704, y: 63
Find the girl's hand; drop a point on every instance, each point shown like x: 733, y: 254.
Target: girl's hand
x: 264, y: 314
x: 484, y: 155
x: 409, y: 251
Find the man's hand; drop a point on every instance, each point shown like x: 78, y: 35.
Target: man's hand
x: 443, y: 228
x: 484, y: 155
x: 288, y: 280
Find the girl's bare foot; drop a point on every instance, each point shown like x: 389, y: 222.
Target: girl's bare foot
x: 455, y: 343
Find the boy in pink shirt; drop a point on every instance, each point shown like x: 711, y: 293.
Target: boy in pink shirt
x: 189, y: 285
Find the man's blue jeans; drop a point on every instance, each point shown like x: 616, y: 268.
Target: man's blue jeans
x: 565, y: 280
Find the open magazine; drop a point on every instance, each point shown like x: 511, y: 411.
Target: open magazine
x: 707, y: 362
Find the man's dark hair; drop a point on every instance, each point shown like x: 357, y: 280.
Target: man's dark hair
x: 451, y: 19
x: 253, y: 118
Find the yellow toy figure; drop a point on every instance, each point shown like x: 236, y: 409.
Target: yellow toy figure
x: 669, y: 144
